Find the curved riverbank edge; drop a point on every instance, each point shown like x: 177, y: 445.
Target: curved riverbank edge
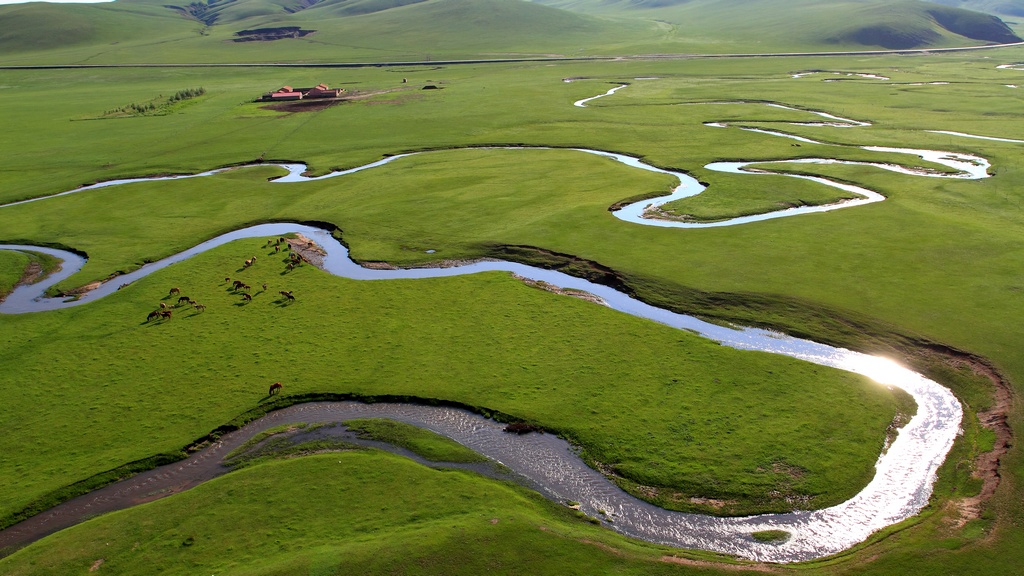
x: 125, y: 471
x: 901, y: 487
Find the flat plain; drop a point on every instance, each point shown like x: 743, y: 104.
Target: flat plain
x: 933, y: 268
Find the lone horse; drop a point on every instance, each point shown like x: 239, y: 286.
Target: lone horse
x: 275, y: 388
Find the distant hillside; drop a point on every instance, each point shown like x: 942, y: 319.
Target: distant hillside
x: 998, y: 7
x: 213, y: 12
x: 157, y: 31
x: 890, y: 24
x: 44, y: 26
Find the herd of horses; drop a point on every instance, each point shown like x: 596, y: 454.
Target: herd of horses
x: 237, y: 286
x: 166, y: 310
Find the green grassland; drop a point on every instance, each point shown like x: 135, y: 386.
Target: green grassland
x: 377, y: 513
x: 32, y: 266
x: 742, y: 195
x: 12, y: 266
x: 939, y: 259
x: 524, y: 352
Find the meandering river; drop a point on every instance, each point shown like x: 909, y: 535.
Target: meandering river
x: 904, y: 475
x: 901, y: 486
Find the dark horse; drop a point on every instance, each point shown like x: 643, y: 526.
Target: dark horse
x: 275, y: 388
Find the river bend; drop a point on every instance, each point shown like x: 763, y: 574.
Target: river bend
x: 904, y: 474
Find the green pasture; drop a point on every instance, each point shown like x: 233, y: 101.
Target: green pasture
x: 15, y: 265
x: 939, y: 261
x: 12, y: 266
x: 375, y: 513
x: 646, y: 399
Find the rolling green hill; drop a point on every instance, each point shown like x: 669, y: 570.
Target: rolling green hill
x: 342, y: 30
x: 151, y: 31
x: 900, y: 24
x: 1014, y: 8
x: 41, y: 26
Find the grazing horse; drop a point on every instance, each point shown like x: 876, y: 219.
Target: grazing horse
x: 246, y: 298
x: 246, y: 287
x: 227, y: 279
x: 237, y: 284
x: 166, y: 314
x: 153, y: 314
x: 184, y: 300
x: 288, y: 295
x: 174, y: 291
x: 199, y: 307
x: 275, y: 388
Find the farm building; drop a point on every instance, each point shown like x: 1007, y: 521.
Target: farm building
x: 289, y: 93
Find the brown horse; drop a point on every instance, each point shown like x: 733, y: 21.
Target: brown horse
x: 174, y: 291
x: 199, y: 307
x: 153, y: 314
x: 184, y: 300
x: 246, y: 298
x: 275, y: 388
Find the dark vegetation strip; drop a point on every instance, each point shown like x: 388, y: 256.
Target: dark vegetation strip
x: 124, y: 471
x: 514, y: 60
